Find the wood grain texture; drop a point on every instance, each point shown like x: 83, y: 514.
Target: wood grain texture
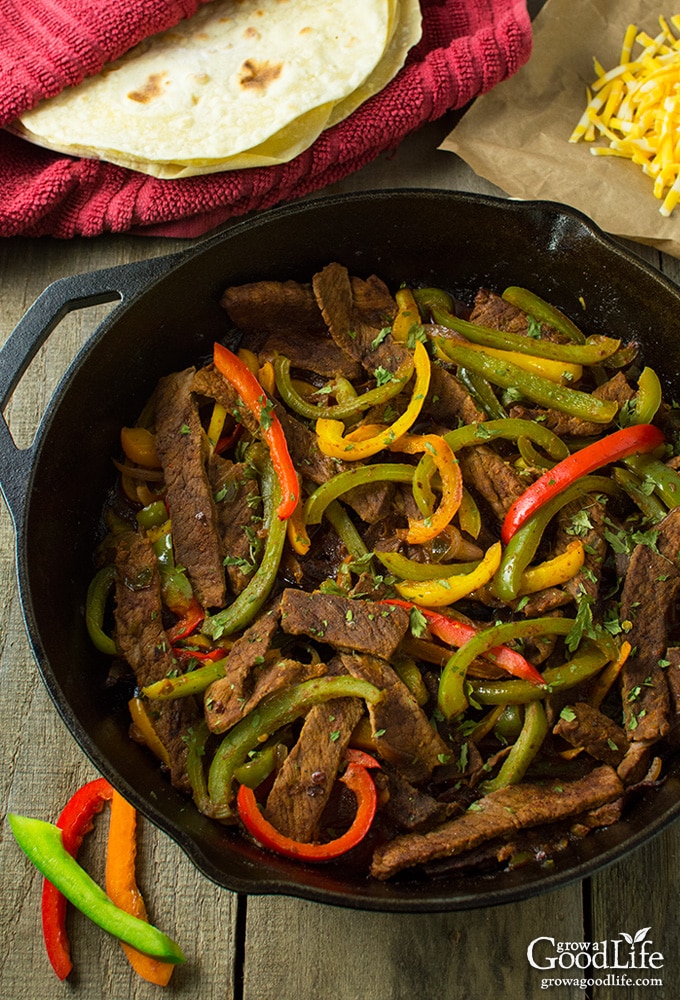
x: 263, y: 947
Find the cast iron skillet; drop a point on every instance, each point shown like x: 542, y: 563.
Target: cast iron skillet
x: 168, y: 316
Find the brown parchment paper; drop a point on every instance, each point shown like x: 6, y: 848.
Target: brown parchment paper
x: 516, y: 136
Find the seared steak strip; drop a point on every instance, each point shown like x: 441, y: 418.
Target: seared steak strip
x: 499, y: 814
x: 492, y: 477
x: 283, y: 306
x: 584, y: 726
x: 182, y: 449
x: 235, y: 493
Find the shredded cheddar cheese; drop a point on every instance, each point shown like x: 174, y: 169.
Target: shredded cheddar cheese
x: 634, y: 109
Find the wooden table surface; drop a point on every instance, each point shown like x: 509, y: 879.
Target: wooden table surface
x: 265, y: 947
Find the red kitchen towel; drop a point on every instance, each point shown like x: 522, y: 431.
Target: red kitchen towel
x: 467, y: 47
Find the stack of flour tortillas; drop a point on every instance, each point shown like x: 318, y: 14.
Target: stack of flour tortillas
x: 242, y: 83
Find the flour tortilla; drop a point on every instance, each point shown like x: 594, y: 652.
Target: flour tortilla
x: 240, y: 84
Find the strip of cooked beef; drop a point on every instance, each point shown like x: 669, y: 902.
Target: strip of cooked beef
x: 210, y: 383
x: 236, y: 496
x: 584, y: 519
x: 224, y: 698
x: 635, y: 763
x: 344, y: 623
x: 492, y: 477
x: 491, y: 310
x: 648, y: 601
x: 183, y: 451
x: 581, y: 725
x: 282, y: 306
x: 563, y: 424
x: 321, y: 355
x: 402, y: 731
x: 303, y: 786
x: 448, y: 401
x: 499, y: 815
x: 141, y: 639
x: 410, y: 808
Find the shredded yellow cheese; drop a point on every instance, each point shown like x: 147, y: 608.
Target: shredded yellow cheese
x: 634, y: 108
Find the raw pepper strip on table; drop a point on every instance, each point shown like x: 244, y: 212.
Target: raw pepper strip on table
x: 636, y: 439
x: 356, y: 777
x: 75, y: 821
x: 254, y: 397
x: 121, y: 885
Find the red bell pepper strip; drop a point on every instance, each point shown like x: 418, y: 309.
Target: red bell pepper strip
x: 255, y: 398
x: 637, y: 439
x: 188, y: 623
x: 457, y: 633
x: 75, y: 821
x: 356, y: 777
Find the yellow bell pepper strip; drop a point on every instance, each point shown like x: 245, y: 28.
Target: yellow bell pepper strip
x: 144, y: 725
x: 636, y: 439
x: 272, y: 714
x: 254, y: 397
x: 644, y: 407
x: 443, y: 592
x: 95, y: 606
x: 359, y: 475
x: 139, y: 446
x: 539, y: 390
x: 408, y: 569
x: 296, y: 532
x: 593, y: 352
x: 356, y: 777
x: 185, y: 685
x: 121, y: 885
x: 437, y: 451
x: 451, y: 697
x: 509, y: 429
x: 654, y: 473
x: 216, y: 425
x: 408, y: 316
x: 244, y: 608
x: 43, y: 844
x: 75, y: 821
x: 543, y: 311
x: 555, y: 571
x: 555, y: 371
x: 522, y: 547
x: 607, y: 678
x: 456, y: 633
x: 351, y: 406
x: 523, y: 751
x: 585, y: 664
x: 330, y: 432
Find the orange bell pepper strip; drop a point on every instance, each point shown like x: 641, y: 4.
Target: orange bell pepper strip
x: 139, y: 445
x: 436, y: 448
x: 330, y: 433
x: 75, y: 821
x: 356, y: 778
x: 121, y: 885
x: 240, y: 377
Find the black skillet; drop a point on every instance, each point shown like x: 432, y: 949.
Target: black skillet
x: 168, y: 316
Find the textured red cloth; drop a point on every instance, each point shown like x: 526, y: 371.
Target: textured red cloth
x: 467, y: 47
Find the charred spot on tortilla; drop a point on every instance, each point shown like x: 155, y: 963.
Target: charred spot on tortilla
x: 258, y: 75
x: 152, y: 89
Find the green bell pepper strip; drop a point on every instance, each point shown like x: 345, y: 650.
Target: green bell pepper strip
x: 510, y: 429
x: 523, y: 751
x: 408, y: 569
x: 588, y: 661
x: 481, y: 391
x: 340, y: 411
x: 451, y: 696
x: 244, y: 608
x: 593, y: 352
x: 273, y: 713
x: 175, y: 586
x: 652, y: 470
x: 540, y: 390
x: 650, y: 507
x: 152, y: 516
x: 197, y: 740
x: 433, y: 298
x: 95, y: 606
x: 43, y: 845
x: 256, y: 770
x: 636, y: 439
x: 395, y: 472
x: 542, y: 311
x: 346, y: 530
x: 185, y: 685
x: 522, y: 547
x: 644, y: 407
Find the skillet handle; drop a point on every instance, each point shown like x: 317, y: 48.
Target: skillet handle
x: 62, y: 297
